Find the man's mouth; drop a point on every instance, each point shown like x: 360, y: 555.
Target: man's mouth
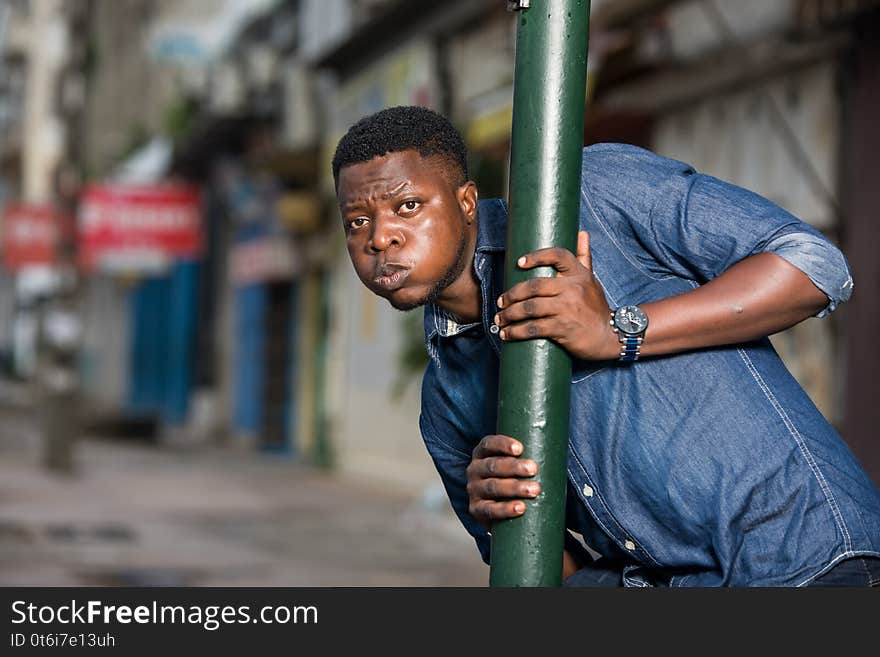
x: 391, y: 277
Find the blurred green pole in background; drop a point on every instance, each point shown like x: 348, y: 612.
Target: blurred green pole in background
x: 545, y: 172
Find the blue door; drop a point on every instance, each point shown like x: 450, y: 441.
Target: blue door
x: 163, y: 329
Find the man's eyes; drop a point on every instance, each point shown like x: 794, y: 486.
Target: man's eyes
x: 407, y: 207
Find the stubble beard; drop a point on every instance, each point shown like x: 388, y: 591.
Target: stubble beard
x: 455, y: 270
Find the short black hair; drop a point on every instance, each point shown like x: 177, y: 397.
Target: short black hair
x: 402, y: 128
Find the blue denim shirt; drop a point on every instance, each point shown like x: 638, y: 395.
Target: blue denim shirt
x: 710, y: 467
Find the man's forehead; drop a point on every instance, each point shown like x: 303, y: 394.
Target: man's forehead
x: 387, y: 174
x: 380, y: 188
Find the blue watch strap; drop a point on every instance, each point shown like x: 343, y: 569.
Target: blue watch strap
x: 629, y: 349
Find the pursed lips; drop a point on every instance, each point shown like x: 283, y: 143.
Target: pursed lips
x: 391, y: 276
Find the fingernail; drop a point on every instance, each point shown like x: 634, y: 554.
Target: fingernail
x: 519, y: 508
x: 516, y: 448
x: 496, y: 319
x: 533, y: 490
x: 500, y: 302
x: 503, y: 334
x: 522, y: 261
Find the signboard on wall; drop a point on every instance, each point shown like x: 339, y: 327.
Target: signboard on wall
x: 138, y: 227
x: 30, y: 235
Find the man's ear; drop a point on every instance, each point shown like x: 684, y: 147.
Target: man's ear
x: 467, y: 200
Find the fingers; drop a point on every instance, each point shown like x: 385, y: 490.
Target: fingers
x: 502, y: 489
x: 488, y: 512
x: 497, y: 483
x: 528, y: 309
x: 543, y: 327
x: 496, y: 444
x: 562, y: 260
x: 498, y: 499
x: 501, y: 466
x: 583, y: 250
x: 534, y: 287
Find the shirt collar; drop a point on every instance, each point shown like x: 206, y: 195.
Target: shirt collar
x: 491, y: 226
x: 491, y: 238
x: 446, y: 324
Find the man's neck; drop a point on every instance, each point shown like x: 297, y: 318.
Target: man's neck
x: 462, y: 299
x: 461, y: 317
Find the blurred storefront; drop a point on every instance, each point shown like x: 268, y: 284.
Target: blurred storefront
x: 263, y: 263
x: 30, y: 239
x: 253, y: 148
x: 150, y: 235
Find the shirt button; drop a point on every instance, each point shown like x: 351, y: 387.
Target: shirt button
x: 493, y: 329
x: 588, y: 492
x: 629, y: 545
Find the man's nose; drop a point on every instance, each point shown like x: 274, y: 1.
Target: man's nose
x: 386, y: 233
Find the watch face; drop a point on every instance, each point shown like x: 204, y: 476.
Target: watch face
x: 630, y: 320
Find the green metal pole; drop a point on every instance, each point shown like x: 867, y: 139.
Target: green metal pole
x: 545, y: 172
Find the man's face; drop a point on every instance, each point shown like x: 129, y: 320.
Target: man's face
x: 410, y: 231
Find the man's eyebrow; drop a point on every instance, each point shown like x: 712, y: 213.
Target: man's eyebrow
x: 405, y: 185
x: 352, y: 205
x: 391, y: 193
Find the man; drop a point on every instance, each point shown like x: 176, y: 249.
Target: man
x: 695, y: 459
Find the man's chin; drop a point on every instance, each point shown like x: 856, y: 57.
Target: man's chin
x: 400, y: 300
x: 405, y: 305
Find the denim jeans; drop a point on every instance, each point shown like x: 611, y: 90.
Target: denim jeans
x: 857, y: 571
x: 601, y: 573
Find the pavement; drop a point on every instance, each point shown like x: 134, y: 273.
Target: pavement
x: 141, y: 514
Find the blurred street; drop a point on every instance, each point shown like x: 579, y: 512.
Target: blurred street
x: 138, y: 514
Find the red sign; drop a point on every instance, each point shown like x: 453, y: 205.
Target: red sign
x: 124, y: 226
x: 30, y: 235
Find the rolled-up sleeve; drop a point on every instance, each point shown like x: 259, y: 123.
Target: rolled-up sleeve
x: 698, y: 226
x: 823, y: 263
x: 716, y: 224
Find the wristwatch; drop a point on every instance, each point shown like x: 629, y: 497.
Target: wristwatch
x: 630, y: 324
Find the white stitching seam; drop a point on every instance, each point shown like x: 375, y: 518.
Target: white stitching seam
x: 589, y: 376
x: 425, y: 419
x: 433, y: 352
x: 836, y: 560
x: 598, y: 495
x: 634, y: 582
x: 598, y: 520
x: 814, y: 468
x: 451, y: 448
x: 485, y: 317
